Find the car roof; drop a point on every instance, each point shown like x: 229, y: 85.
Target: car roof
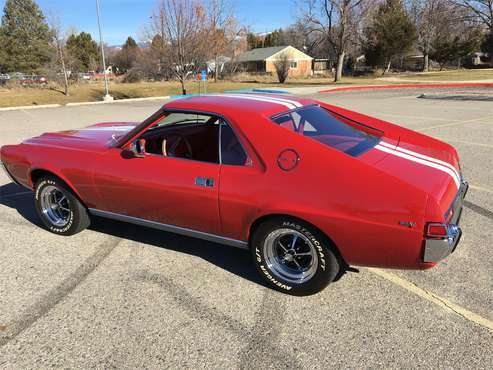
x: 232, y: 104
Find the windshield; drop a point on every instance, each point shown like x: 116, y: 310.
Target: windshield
x: 323, y: 126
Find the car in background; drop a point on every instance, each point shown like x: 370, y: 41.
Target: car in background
x: 4, y: 78
x: 33, y: 81
x: 308, y: 188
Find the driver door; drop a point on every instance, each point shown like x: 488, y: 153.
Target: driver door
x: 173, y: 191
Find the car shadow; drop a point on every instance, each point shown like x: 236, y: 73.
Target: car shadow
x: 233, y: 260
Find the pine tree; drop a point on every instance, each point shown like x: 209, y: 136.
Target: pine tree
x: 84, y: 50
x: 392, y: 34
x: 129, y: 53
x: 24, y: 37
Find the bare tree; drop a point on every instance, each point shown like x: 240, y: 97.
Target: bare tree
x: 430, y: 17
x: 337, y: 22
x: 59, y: 46
x: 480, y: 11
x: 180, y: 26
x: 282, y: 64
x: 222, y: 29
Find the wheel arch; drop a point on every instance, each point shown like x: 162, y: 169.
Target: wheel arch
x: 38, y: 173
x: 255, y: 224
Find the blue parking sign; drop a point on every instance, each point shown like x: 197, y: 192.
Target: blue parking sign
x: 204, y: 75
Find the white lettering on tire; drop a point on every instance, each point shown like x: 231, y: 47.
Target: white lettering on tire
x: 312, y: 238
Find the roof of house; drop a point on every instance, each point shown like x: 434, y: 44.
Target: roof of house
x: 265, y: 53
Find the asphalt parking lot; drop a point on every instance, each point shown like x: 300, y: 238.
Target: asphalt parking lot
x: 123, y: 296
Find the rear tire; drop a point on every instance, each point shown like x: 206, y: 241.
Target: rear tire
x: 293, y: 257
x: 58, y: 208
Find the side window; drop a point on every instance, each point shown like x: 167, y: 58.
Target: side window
x: 232, y: 152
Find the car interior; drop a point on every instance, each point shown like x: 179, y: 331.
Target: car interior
x: 195, y: 137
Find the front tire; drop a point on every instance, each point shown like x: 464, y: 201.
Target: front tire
x: 58, y: 208
x: 294, y: 257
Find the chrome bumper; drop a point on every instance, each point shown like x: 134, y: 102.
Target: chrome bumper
x: 437, y: 249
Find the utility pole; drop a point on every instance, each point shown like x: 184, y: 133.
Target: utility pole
x: 107, y: 96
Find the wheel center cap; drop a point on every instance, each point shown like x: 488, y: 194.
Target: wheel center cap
x: 288, y: 257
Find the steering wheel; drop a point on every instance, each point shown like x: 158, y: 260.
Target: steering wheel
x: 176, y: 140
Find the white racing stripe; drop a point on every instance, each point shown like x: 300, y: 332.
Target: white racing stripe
x: 270, y: 97
x: 422, y: 156
x: 421, y: 161
x: 290, y: 104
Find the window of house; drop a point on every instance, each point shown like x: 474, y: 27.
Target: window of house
x: 294, y: 65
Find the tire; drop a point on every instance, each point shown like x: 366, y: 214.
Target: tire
x: 303, y: 270
x: 59, y: 209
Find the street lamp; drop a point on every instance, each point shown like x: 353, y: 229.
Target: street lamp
x: 107, y: 96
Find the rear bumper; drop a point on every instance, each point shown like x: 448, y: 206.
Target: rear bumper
x: 437, y: 249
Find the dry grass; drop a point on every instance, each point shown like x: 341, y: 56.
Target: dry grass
x: 18, y: 96
x: 452, y: 75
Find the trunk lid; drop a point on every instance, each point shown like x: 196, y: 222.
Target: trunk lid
x: 425, y: 164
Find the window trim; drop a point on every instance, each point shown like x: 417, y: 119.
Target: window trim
x: 142, y: 128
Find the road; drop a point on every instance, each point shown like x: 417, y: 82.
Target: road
x: 123, y: 296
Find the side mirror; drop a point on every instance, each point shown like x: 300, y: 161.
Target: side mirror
x: 136, y: 150
x: 139, y: 148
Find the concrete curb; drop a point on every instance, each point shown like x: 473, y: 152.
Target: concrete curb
x: 31, y: 107
x: 76, y: 104
x: 117, y: 101
x: 407, y: 86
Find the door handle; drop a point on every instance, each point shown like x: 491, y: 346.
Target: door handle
x: 204, y: 181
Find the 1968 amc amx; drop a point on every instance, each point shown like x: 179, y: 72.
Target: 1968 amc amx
x: 310, y: 189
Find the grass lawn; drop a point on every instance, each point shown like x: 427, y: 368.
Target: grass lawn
x: 453, y: 75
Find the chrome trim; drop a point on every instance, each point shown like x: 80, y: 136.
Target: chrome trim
x: 437, y: 249
x: 170, y: 228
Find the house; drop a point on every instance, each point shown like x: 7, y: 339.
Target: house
x: 221, y: 61
x: 262, y: 60
x: 478, y: 59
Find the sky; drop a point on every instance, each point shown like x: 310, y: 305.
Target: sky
x: 123, y: 18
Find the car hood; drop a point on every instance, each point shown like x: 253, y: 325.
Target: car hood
x: 95, y: 136
x: 425, y: 163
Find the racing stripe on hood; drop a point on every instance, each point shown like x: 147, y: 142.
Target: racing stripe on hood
x: 385, y: 147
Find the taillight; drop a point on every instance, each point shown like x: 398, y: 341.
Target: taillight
x: 436, y: 230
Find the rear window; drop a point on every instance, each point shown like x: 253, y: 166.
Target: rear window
x: 323, y: 126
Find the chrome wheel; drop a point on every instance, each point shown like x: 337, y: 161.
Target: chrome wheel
x: 55, y: 206
x: 290, y: 255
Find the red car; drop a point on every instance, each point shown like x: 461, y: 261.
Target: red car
x: 309, y: 188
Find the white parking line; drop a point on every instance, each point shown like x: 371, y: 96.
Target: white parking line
x: 480, y: 188
x: 466, y: 142
x: 456, y: 123
x: 434, y: 298
x: 413, y: 117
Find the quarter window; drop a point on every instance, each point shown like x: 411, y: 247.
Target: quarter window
x: 232, y: 152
